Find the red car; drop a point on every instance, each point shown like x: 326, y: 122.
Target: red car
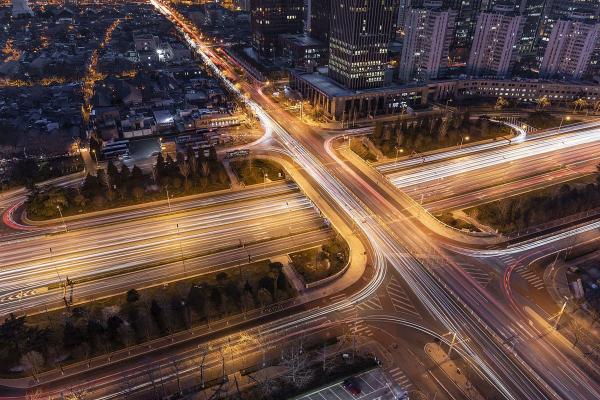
x: 352, y: 386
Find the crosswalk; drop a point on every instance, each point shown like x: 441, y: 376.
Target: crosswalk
x: 507, y: 259
x: 399, y: 377
x: 371, y: 304
x: 480, y: 276
x: 532, y: 278
x: 400, y: 299
x: 356, y: 326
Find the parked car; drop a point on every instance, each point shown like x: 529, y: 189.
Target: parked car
x: 352, y: 385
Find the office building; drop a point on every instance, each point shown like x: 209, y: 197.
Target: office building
x: 271, y: 18
x: 361, y: 32
x: 429, y: 32
x: 320, y: 18
x: 570, y: 48
x: 494, y: 47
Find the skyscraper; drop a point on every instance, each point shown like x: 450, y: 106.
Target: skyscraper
x: 467, y: 12
x: 494, y: 48
x: 270, y: 18
x: 569, y: 49
x: 358, y: 46
x: 320, y: 18
x: 428, y: 34
x: 20, y: 8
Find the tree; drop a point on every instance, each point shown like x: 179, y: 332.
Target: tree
x: 112, y: 329
x: 137, y: 193
x: 542, y: 102
x: 73, y: 336
x: 184, y: 170
x: 157, y: 314
x: 132, y: 296
x: 298, y: 371
x: 580, y: 103
x: 501, y: 103
x: 32, y: 361
x: 215, y: 298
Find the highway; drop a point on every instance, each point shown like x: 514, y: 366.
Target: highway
x: 158, y: 240
x: 529, y: 150
x: 522, y: 136
x: 483, y: 326
x: 508, y: 372
x: 513, y: 175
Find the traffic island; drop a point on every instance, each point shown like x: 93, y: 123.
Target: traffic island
x: 441, y: 358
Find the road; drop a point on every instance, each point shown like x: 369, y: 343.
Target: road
x: 523, y: 374
x: 505, y: 170
x: 483, y: 325
x: 153, y: 243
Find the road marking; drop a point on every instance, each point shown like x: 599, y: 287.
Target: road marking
x: 373, y: 303
x: 400, y: 299
x: 480, y: 276
x: 398, y: 376
x: 532, y: 278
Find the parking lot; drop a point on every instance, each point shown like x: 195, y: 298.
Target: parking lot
x: 372, y: 385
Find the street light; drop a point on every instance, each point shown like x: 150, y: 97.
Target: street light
x: 168, y: 199
x: 62, y: 218
x: 95, y: 157
x: 461, y: 140
x: 398, y: 150
x: 568, y: 118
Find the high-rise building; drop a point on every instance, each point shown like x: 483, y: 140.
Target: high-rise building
x: 320, y: 19
x: 21, y: 8
x: 569, y: 49
x: 494, y: 48
x: 466, y: 18
x: 271, y: 18
x: 533, y: 13
x: 428, y: 34
x: 361, y: 32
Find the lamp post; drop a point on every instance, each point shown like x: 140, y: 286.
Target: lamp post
x: 398, y: 150
x: 95, y: 157
x: 168, y: 199
x: 568, y: 118
x: 461, y: 140
x: 62, y: 218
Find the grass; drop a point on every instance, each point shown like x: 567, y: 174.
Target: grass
x: 545, y: 120
x: 449, y: 219
x: 321, y: 262
x: 358, y: 147
x: 253, y: 171
x: 539, y: 206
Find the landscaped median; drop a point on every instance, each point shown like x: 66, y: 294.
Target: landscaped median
x: 541, y: 208
x: 391, y: 140
x: 319, y: 265
x: 253, y: 171
x: 54, y: 338
x: 115, y: 188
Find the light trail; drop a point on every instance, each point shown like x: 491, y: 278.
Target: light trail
x: 488, y: 159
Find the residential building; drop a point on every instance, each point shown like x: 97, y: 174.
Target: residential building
x: 21, y: 8
x: 570, y: 49
x: 271, y: 18
x: 361, y: 32
x: 494, y: 47
x: 428, y: 35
